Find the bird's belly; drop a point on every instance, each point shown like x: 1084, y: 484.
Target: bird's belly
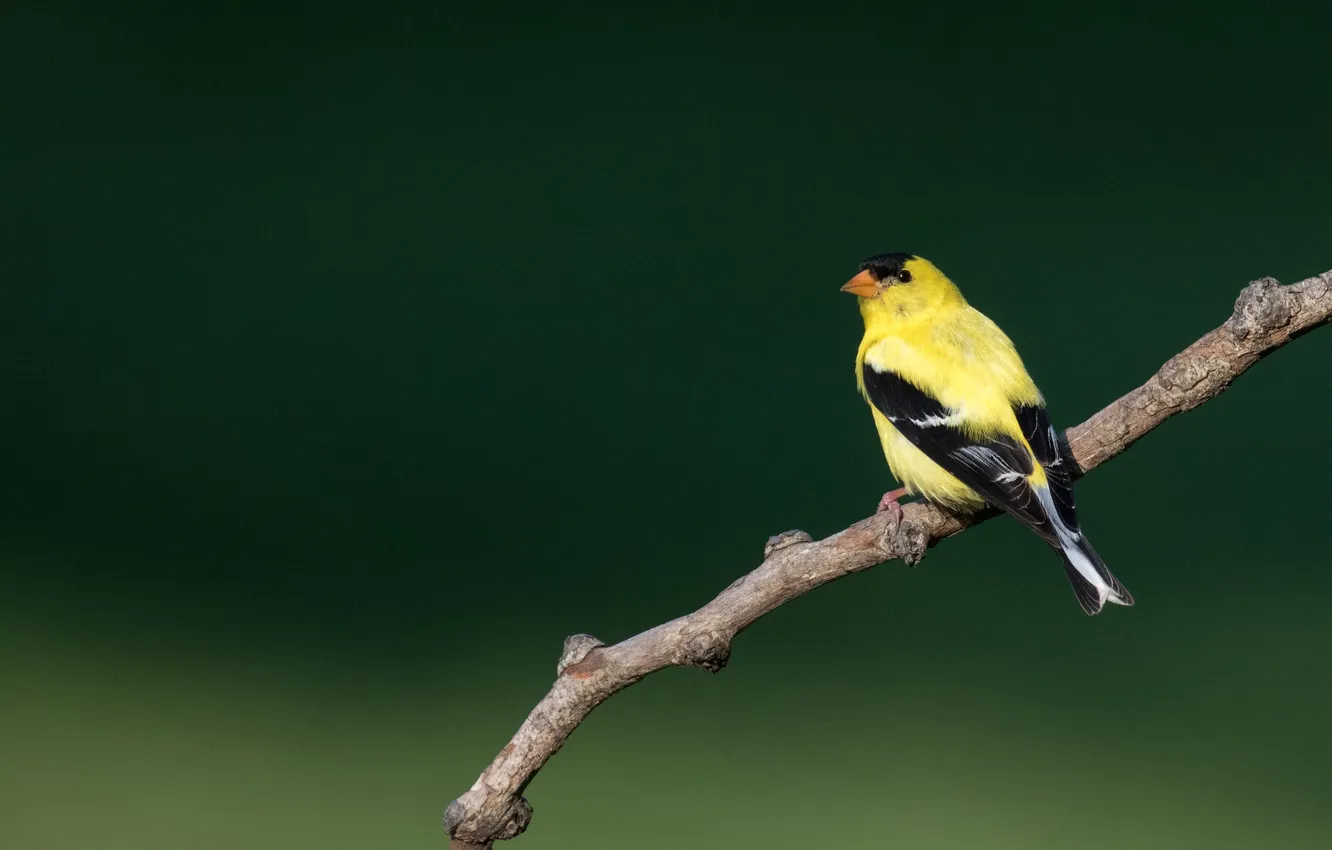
x: 919, y: 474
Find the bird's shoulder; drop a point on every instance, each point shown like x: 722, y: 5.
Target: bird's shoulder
x: 962, y: 359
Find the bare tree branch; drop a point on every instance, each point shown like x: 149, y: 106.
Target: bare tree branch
x: 1267, y: 315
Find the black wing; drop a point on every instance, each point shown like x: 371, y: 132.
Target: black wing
x: 1044, y: 442
x: 995, y: 467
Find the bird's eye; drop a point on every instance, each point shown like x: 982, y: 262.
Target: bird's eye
x: 904, y: 276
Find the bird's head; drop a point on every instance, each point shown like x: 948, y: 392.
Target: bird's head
x: 899, y: 285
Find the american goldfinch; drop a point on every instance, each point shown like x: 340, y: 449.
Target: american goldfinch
x: 961, y: 422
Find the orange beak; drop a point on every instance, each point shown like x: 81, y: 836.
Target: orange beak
x: 863, y: 285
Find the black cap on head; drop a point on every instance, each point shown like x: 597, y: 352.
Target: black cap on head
x: 884, y: 266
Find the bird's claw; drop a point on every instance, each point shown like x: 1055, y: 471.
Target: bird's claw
x: 890, y: 504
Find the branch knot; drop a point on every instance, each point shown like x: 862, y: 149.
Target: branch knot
x: 1263, y: 306
x: 576, y: 649
x: 510, y: 824
x: 908, y: 540
x: 778, y: 542
x: 707, y: 650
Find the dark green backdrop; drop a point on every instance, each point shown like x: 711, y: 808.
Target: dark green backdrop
x: 353, y: 359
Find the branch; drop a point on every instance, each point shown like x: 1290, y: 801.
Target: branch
x: 1267, y: 316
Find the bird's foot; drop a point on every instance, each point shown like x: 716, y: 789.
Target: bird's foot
x: 890, y: 504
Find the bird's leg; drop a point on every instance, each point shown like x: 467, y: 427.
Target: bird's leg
x: 889, y: 503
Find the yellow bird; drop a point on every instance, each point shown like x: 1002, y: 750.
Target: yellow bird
x: 961, y: 422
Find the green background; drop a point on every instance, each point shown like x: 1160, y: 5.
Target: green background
x: 352, y: 359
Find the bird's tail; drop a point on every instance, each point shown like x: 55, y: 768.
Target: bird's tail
x: 1092, y: 580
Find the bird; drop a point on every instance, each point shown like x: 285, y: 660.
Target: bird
x: 961, y: 422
